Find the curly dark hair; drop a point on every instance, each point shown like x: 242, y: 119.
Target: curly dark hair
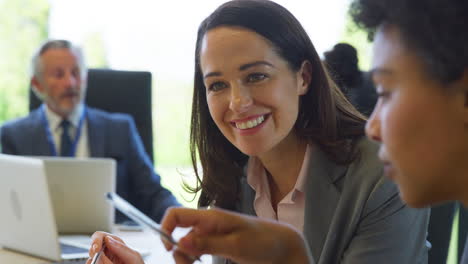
x: 437, y: 31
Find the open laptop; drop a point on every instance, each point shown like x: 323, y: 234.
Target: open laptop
x: 27, y: 222
x: 77, y: 189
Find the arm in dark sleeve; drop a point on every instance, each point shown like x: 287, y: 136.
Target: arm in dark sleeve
x: 7, y: 146
x: 146, y: 190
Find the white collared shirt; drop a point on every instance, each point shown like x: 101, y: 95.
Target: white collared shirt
x: 82, y: 149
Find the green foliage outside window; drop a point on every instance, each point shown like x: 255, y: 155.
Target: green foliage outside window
x: 358, y: 38
x: 24, y: 26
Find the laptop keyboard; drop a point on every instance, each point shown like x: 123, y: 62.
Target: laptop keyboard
x: 68, y: 249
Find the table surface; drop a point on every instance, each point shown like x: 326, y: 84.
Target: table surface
x: 143, y: 241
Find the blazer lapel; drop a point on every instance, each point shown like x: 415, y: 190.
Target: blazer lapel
x: 96, y: 132
x: 39, y: 142
x: 322, y: 196
x: 246, y: 202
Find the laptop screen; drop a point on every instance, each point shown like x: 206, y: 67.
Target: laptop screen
x: 27, y: 223
x: 77, y: 189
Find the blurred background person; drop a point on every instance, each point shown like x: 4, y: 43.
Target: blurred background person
x: 342, y: 63
x: 65, y: 126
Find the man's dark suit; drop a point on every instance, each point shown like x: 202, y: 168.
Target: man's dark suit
x: 109, y: 135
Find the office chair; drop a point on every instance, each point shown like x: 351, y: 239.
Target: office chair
x: 119, y: 91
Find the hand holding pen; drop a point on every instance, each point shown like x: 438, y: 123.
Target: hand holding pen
x: 107, y: 249
x: 133, y: 213
x: 240, y: 238
x: 116, y: 252
x: 96, y: 257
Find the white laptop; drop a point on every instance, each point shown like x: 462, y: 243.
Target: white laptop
x: 77, y: 189
x: 27, y: 222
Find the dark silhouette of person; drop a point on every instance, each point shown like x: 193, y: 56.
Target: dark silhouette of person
x: 357, y: 85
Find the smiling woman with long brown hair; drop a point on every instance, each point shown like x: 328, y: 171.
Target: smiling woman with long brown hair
x: 277, y: 139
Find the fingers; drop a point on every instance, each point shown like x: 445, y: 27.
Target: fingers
x: 96, y: 245
x: 110, y: 256
x: 177, y: 216
x: 203, y: 222
x: 222, y: 244
x: 103, y: 259
x: 232, y: 238
x: 118, y: 252
x: 97, y: 241
x: 181, y: 258
x: 187, y: 217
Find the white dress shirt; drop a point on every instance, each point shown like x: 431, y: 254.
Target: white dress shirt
x: 82, y: 148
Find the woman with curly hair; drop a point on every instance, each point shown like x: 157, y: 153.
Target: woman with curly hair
x: 420, y: 69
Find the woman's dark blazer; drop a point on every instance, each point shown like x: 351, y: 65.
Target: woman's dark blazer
x: 354, y: 215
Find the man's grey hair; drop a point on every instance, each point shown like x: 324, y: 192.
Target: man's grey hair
x: 37, y: 69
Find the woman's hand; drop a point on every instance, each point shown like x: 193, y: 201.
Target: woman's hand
x: 241, y: 238
x: 115, y: 252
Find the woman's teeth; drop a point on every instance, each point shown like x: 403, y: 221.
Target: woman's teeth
x: 251, y: 123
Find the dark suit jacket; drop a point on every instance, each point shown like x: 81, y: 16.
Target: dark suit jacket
x: 464, y: 257
x: 353, y: 214
x: 363, y: 95
x: 110, y: 136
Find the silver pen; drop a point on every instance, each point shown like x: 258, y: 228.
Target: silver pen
x: 133, y: 213
x: 97, y: 255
